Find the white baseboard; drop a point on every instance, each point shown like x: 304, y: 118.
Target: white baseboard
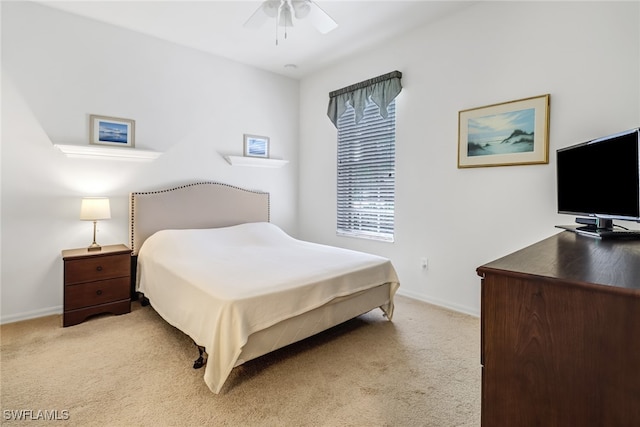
x: 30, y: 314
x: 442, y: 303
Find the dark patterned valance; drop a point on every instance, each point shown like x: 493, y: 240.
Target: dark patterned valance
x: 381, y: 90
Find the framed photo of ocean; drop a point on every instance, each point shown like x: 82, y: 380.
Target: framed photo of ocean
x: 256, y: 146
x: 112, y: 131
x: 506, y: 134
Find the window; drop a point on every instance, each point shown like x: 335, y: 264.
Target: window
x: 365, y: 116
x: 366, y: 173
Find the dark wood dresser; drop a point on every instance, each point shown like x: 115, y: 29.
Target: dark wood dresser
x: 96, y: 282
x: 560, y: 334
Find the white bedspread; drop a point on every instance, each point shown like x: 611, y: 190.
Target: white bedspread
x: 221, y: 285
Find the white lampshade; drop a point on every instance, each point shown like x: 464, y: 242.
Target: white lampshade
x: 95, y: 208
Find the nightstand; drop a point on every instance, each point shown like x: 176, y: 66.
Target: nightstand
x: 96, y: 282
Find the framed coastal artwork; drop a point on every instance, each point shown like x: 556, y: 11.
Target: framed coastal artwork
x: 111, y: 131
x: 256, y: 146
x: 505, y: 134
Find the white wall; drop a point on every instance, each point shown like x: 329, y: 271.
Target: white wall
x: 57, y: 69
x: 585, y: 55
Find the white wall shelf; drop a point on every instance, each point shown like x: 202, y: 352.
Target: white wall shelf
x: 255, y: 161
x: 108, y: 153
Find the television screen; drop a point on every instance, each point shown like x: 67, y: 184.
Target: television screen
x: 601, y: 178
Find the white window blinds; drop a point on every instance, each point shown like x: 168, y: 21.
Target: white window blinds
x: 366, y: 173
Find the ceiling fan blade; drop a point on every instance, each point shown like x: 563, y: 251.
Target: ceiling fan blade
x: 320, y: 19
x: 256, y: 19
x: 267, y: 10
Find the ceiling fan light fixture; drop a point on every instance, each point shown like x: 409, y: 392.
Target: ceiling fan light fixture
x: 301, y: 8
x: 271, y: 7
x: 285, y: 18
x: 284, y: 10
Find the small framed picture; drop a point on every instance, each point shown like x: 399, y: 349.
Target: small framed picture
x: 256, y: 146
x: 112, y: 131
x: 510, y: 133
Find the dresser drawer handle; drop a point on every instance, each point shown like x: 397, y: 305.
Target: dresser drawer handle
x: 99, y: 268
x: 99, y: 292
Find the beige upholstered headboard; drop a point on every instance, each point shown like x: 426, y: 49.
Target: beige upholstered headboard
x: 197, y: 205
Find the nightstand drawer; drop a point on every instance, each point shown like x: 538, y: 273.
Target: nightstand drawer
x: 97, y: 268
x: 94, y: 293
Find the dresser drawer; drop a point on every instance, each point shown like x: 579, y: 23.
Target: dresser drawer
x: 98, y: 268
x: 95, y: 293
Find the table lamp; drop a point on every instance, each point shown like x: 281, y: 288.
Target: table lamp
x: 94, y: 209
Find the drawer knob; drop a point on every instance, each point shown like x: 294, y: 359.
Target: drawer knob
x: 99, y: 292
x: 99, y: 268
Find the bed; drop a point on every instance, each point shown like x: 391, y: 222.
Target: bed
x: 210, y: 262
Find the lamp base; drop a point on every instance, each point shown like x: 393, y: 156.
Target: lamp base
x: 94, y: 246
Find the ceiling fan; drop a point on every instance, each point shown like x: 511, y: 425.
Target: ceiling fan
x: 285, y: 10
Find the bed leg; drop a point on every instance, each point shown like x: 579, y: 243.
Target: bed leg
x: 202, y: 360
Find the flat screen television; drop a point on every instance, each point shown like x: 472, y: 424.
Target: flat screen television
x: 600, y: 181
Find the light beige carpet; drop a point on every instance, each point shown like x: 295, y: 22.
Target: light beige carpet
x: 422, y: 369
